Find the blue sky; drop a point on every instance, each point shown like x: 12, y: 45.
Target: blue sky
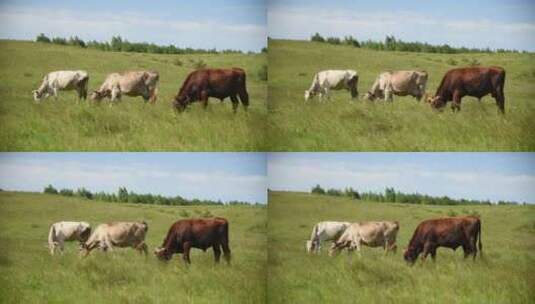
x: 471, y: 23
x: 225, y: 176
x: 494, y: 176
x: 235, y: 24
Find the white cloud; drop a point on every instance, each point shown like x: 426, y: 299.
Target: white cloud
x: 300, y: 23
x: 26, y: 23
x: 34, y: 175
x: 301, y: 175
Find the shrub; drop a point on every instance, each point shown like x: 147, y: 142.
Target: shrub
x: 199, y: 64
x: 451, y: 61
x: 317, y: 37
x: 42, y: 38
x: 317, y: 190
x: 177, y: 62
x: 452, y: 213
x: 183, y: 213
x: 66, y: 192
x: 50, y: 190
x: 474, y: 62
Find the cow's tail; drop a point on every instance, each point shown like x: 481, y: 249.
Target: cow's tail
x: 84, y: 86
x: 51, y: 239
x: 479, y: 245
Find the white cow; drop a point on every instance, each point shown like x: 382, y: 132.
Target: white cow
x: 325, y: 81
x: 133, y: 83
x: 372, y: 234
x: 400, y: 83
x: 61, y: 232
x: 118, y: 234
x: 325, y: 231
x: 62, y: 81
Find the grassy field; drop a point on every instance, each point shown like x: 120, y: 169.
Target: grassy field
x: 404, y: 125
x: 131, y: 125
x: 506, y: 274
x: 31, y: 275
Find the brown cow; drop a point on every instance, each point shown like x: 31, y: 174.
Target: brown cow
x: 445, y: 232
x: 474, y: 81
x: 218, y: 83
x: 196, y: 233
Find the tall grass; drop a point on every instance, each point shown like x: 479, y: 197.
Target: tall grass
x: 405, y: 124
x: 64, y: 125
x: 31, y: 275
x: 505, y: 274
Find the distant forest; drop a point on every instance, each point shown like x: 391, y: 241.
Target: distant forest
x: 392, y: 44
x: 125, y: 196
x: 392, y: 196
x: 118, y: 44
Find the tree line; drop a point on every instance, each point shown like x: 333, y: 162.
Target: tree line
x: 118, y: 44
x: 390, y: 195
x: 125, y: 196
x: 392, y: 44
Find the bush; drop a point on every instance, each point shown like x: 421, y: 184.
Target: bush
x: 263, y: 73
x: 50, y: 190
x: 42, y: 38
x: 177, y: 62
x: 317, y: 190
x: 474, y: 62
x: 199, y: 64
x: 66, y: 192
x: 451, y: 61
x: 334, y: 40
x: 317, y: 37
x: 183, y: 213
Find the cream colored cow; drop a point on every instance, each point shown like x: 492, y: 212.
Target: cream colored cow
x: 118, y: 234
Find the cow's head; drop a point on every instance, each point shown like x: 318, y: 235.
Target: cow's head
x: 162, y: 254
x: 436, y: 102
x: 336, y: 247
x: 37, y: 95
x: 410, y: 255
x: 181, y: 102
x: 309, y: 246
x: 96, y: 95
x: 308, y: 94
x: 369, y: 96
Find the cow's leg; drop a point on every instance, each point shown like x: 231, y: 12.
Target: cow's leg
x: 235, y: 103
x: 142, y: 248
x: 217, y: 252
x: 185, y: 256
x: 244, y: 98
x: 55, y: 93
x: 226, y: 250
x: 428, y: 248
x: 456, y: 103
x: 388, y: 96
x: 500, y: 100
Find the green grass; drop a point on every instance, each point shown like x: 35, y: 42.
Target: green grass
x: 404, y: 125
x: 131, y: 125
x: 505, y: 274
x: 31, y: 275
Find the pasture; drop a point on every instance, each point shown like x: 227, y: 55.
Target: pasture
x: 505, y: 274
x: 31, y: 275
x: 405, y: 124
x: 64, y: 125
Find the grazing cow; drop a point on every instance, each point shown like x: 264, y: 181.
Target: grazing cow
x: 473, y: 81
x: 118, y: 234
x: 325, y: 81
x: 217, y: 83
x: 445, y: 232
x: 61, y: 232
x: 400, y: 83
x: 133, y: 83
x: 196, y: 233
x: 325, y: 231
x: 62, y: 81
x: 372, y: 234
